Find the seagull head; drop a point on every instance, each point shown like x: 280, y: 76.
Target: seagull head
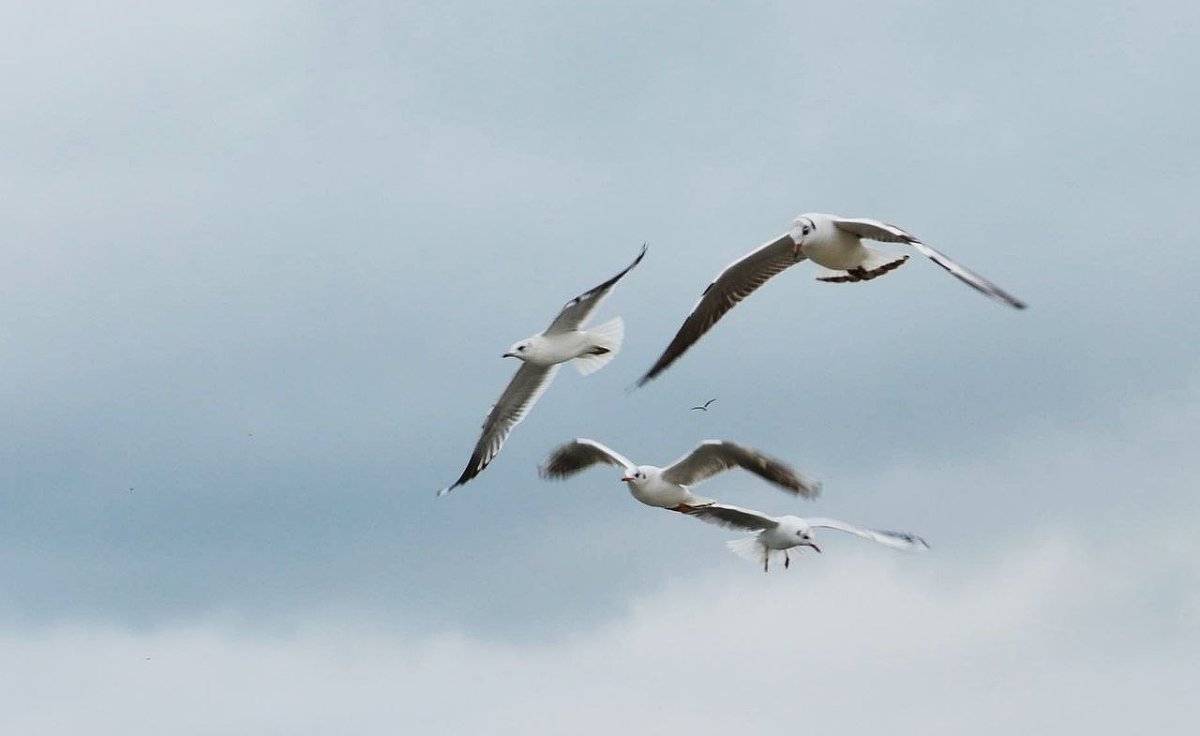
x: 636, y: 476
x: 803, y: 228
x: 519, y: 350
x: 804, y: 538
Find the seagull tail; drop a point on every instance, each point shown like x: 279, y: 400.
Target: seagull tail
x: 607, y: 339
x: 877, y: 263
x: 748, y: 547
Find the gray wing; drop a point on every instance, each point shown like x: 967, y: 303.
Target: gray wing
x: 895, y: 540
x: 876, y: 230
x: 575, y: 312
x: 527, y: 385
x: 733, y: 517
x: 739, y: 280
x: 713, y: 456
x: 574, y: 456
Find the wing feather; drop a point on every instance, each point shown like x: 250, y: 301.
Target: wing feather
x: 739, y: 280
x: 526, y: 387
x: 714, y: 456
x: 578, y: 454
x: 733, y: 517
x: 882, y: 231
x: 575, y: 312
x: 895, y: 540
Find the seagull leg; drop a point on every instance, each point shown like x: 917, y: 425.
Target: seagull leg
x: 766, y: 560
x: 786, y: 560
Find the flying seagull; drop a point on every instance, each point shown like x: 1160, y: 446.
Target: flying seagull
x: 541, y: 356
x: 835, y: 245
x: 670, y: 487
x: 781, y: 533
x: 704, y: 407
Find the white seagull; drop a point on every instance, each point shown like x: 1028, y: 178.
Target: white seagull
x: 781, y: 533
x: 565, y: 339
x: 669, y: 487
x: 835, y: 244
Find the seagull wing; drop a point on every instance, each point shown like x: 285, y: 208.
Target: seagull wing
x: 735, y: 283
x: 713, y: 456
x: 527, y: 385
x: 574, y: 456
x: 876, y: 230
x: 575, y: 312
x: 895, y: 540
x: 733, y: 517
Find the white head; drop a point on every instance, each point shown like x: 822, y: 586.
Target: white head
x: 525, y: 349
x: 638, y: 475
x: 798, y: 531
x: 803, y: 228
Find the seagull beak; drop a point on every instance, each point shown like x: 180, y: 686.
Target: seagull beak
x: 626, y: 478
x: 509, y: 355
x: 814, y: 546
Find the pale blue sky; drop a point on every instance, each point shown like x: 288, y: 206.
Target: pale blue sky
x: 264, y: 257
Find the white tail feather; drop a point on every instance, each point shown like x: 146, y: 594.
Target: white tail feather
x: 607, y: 336
x: 749, y: 548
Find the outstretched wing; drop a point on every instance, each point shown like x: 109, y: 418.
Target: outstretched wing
x: 738, y: 281
x: 575, y: 312
x: 713, y: 456
x: 733, y: 517
x: 526, y: 386
x: 876, y: 230
x: 895, y: 540
x: 574, y: 456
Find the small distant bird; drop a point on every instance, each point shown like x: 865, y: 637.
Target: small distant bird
x: 669, y: 487
x: 835, y: 244
x: 703, y: 407
x: 781, y: 533
x: 541, y: 356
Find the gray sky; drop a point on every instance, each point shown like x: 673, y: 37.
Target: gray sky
x: 264, y: 257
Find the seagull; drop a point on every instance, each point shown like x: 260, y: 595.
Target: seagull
x: 669, y: 487
x: 541, y: 356
x: 704, y: 407
x: 781, y: 533
x: 835, y: 244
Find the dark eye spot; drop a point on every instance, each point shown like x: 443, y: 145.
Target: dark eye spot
x: 520, y: 348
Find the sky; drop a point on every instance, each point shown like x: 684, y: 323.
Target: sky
x: 263, y: 259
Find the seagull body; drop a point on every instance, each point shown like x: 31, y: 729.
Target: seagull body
x: 781, y: 533
x: 670, y: 487
x: 545, y: 350
x: 835, y: 244
x: 541, y: 355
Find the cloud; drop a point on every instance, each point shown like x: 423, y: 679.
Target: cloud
x: 849, y: 643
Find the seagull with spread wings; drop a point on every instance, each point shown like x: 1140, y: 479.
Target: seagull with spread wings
x: 781, y: 533
x: 833, y: 243
x: 541, y: 355
x: 670, y: 487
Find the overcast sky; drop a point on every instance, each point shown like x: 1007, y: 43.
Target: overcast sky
x: 263, y: 258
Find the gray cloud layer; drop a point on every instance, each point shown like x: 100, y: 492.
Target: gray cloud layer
x: 262, y: 260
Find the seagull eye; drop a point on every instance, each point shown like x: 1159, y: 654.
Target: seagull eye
x: 520, y: 348
x: 804, y: 230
